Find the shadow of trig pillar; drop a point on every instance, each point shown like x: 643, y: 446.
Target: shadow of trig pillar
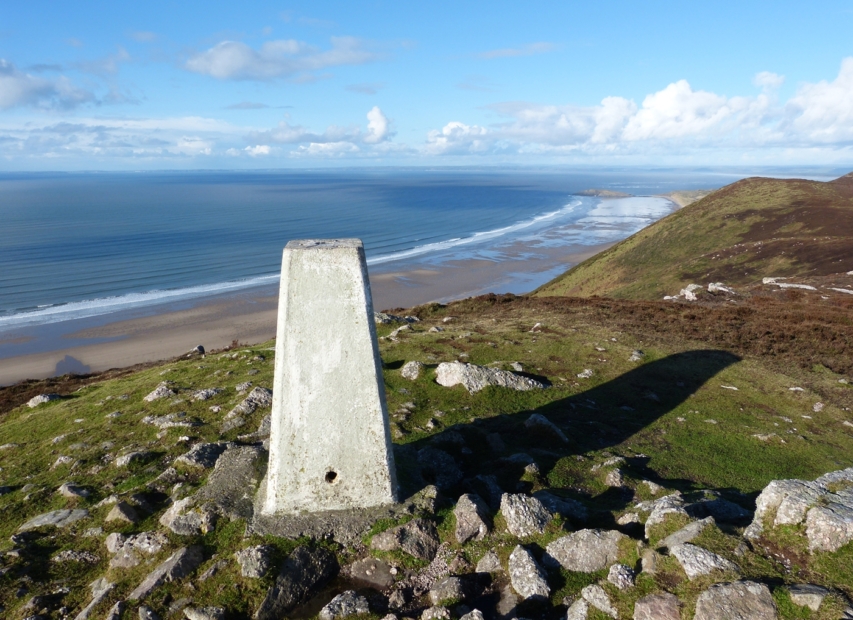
x: 330, y: 446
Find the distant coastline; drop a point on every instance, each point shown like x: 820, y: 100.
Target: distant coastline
x: 603, y: 193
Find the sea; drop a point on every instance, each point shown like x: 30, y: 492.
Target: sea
x: 77, y: 245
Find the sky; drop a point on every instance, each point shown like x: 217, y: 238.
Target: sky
x: 96, y: 85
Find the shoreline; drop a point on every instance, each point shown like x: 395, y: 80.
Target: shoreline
x: 249, y: 316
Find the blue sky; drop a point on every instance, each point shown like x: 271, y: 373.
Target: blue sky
x: 156, y: 85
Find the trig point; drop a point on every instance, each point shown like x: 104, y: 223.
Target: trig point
x: 330, y: 447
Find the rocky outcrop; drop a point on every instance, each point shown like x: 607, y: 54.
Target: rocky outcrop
x: 741, y: 600
x: 585, y: 551
x: 475, y: 378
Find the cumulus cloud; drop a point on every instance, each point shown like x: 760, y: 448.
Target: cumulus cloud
x: 286, y: 58
x: 22, y: 89
x: 378, y: 130
x: 677, y: 118
x: 526, y: 50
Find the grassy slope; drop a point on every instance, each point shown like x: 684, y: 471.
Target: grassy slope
x: 669, y: 416
x: 753, y: 228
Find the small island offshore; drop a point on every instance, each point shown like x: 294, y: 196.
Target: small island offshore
x: 664, y: 431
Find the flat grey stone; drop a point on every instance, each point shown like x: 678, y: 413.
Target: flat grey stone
x: 659, y: 509
x: 186, y: 517
x: 254, y: 561
x: 741, y: 600
x: 474, y: 614
x: 345, y: 604
x: 202, y: 455
x: 180, y: 564
x: 371, y: 571
x: 597, y: 597
x: 412, y: 370
x: 524, y: 515
x: 161, y: 391
x: 129, y: 550
x: 258, y: 397
x: 621, y: 576
x: 72, y: 491
x: 447, y: 590
x: 663, y: 606
x: 475, y: 378
x: 139, y: 456
x: 144, y: 612
x: 686, y: 534
x: 55, y: 518
x: 302, y: 574
x: 418, y: 538
x: 526, y: 576
x: 489, y: 563
x: 233, y: 483
x: 579, y: 610
x: 439, y: 467
x: 472, y: 518
x: 204, y: 613
x: 35, y: 401
x: 697, y: 561
x: 100, y: 589
x: 436, y: 613
x: 585, y: 551
x: 807, y: 595
x: 123, y: 512
x: 116, y: 611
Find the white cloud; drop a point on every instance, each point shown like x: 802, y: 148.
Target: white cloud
x: 768, y: 80
x: 378, y: 126
x: 822, y: 113
x: 457, y: 138
x: 378, y: 130
x: 258, y: 151
x: 677, y: 111
x: 22, y: 89
x: 286, y: 58
x: 526, y: 50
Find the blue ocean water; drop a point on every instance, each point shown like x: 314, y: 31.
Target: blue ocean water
x: 76, y: 245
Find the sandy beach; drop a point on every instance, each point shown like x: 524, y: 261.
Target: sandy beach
x: 115, y: 341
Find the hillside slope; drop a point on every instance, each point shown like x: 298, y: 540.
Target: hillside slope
x: 750, y: 229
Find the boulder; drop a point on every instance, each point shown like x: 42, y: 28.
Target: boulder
x: 664, y: 606
x: 412, y: 370
x: 371, y: 571
x: 345, y: 604
x: 132, y: 458
x: 475, y: 378
x: 232, y: 484
x: 697, y: 561
x: 170, y: 420
x: 622, y: 576
x: 123, y: 513
x: 161, y: 391
x: 446, y: 591
x: 662, y: 507
x: 128, y: 550
x: 686, y: 534
x: 35, y: 401
x: 597, y: 597
x: 186, y: 518
x: 741, y: 600
x: 563, y: 506
x: 472, y: 518
x: 202, y: 455
x: 206, y: 394
x: 524, y: 515
x: 73, y: 491
x: 807, y: 595
x: 489, y: 563
x: 100, y: 589
x: 204, y: 613
x: 585, y: 551
x: 436, y: 613
x: 579, y: 610
x: 55, y: 518
x: 254, y: 561
x: 180, y: 564
x: 526, y: 576
x: 439, y: 467
x: 258, y: 397
x: 302, y: 574
x: 418, y: 538
x: 539, y: 424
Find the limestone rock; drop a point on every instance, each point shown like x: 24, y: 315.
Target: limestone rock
x: 830, y: 527
x: 436, y: 613
x: 258, y: 397
x: 122, y: 512
x: 144, y: 612
x: 254, y: 561
x: 383, y: 318
x: 412, y: 370
x: 807, y: 595
x: 447, y: 590
x: 597, y: 597
x: 100, y: 588
x: 371, y: 571
x: 55, y: 518
x: 70, y: 555
x: 418, y: 538
x: 304, y: 572
x: 180, y: 564
x: 35, y: 401
x: 697, y: 561
x: 202, y: 455
x: 663, y: 606
x: 232, y: 484
x: 170, y: 420
x: 564, y: 506
x: 524, y: 515
x: 345, y: 604
x: 579, y: 610
x: 116, y: 611
x: 489, y: 563
x: 686, y: 534
x: 585, y: 551
x: 526, y: 576
x: 204, y: 613
x: 161, y: 391
x: 622, y: 576
x: 472, y: 518
x: 438, y: 466
x: 660, y: 508
x: 475, y: 378
x: 185, y: 518
x: 139, y: 456
x: 474, y: 614
x: 538, y: 423
x: 741, y: 600
x: 206, y: 394
x: 74, y: 491
x: 128, y: 550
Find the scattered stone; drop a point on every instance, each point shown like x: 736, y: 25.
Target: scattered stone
x: 526, y: 576
x: 653, y: 487
x: 474, y: 614
x: 586, y: 373
x: 628, y: 518
x: 116, y: 611
x: 472, y: 518
x: 100, y: 588
x: 686, y: 534
x: 524, y: 515
x: 622, y: 576
x: 615, y: 479
x: 418, y: 538
x: 170, y: 420
x: 719, y: 287
x: 689, y: 293
x: 436, y: 613
x: 144, y: 612
x: 206, y: 394
x: 636, y: 356
x: 63, y: 460
x: 585, y: 551
x: 232, y: 484
x: 35, y: 401
x: 489, y: 563
x: 371, y: 571
x: 202, y: 455
x: 449, y: 590
x: 538, y: 423
x: 161, y: 391
x: 807, y: 595
x: 660, y: 508
x: 204, y: 613
x: 73, y: 491
x: 259, y: 397
x: 345, y: 604
x: 180, y: 564
x: 818, y: 407
x: 412, y: 370
x: 242, y: 387
x: 55, y: 518
x: 127, y: 550
x: 578, y: 610
x: 302, y: 574
x: 741, y: 600
x: 597, y: 597
x: 805, y: 287
x: 132, y: 458
x: 475, y: 378
x: 435, y: 329
x: 383, y: 318
x: 122, y: 512
x: 563, y: 506
x: 439, y: 467
x: 664, y: 606
x: 69, y: 555
x: 186, y: 518
x: 697, y: 561
x: 254, y: 561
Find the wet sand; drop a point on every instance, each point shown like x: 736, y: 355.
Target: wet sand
x: 116, y: 341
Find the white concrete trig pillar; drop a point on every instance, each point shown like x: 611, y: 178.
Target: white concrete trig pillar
x: 330, y: 445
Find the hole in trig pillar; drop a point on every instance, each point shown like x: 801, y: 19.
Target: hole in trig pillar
x: 331, y: 477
